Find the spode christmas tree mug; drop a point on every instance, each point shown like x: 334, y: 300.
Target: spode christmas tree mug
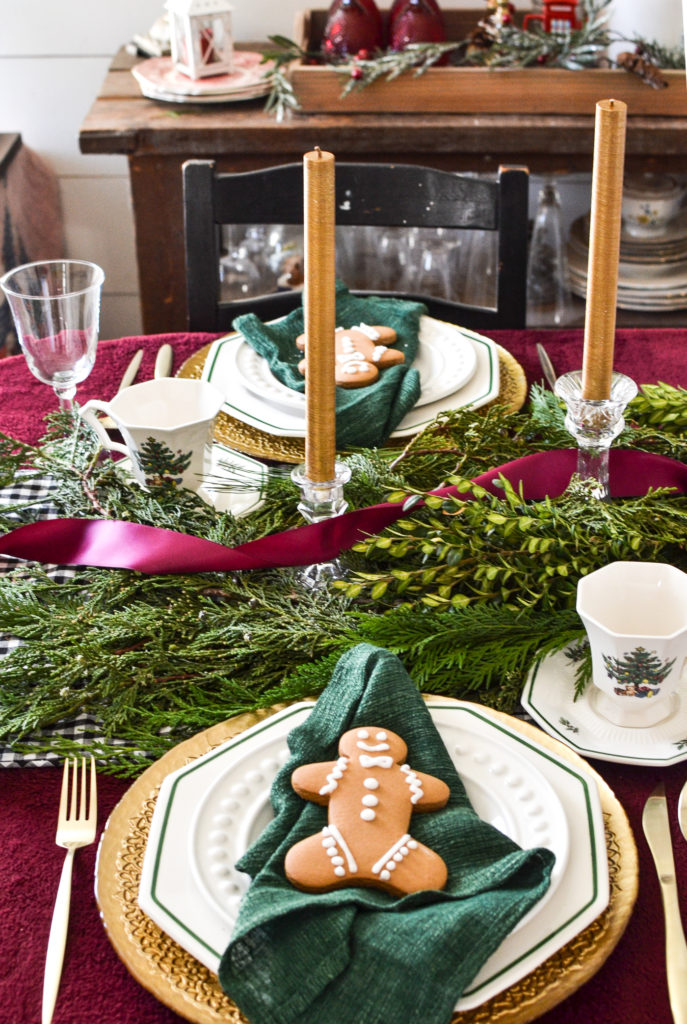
x: 166, y: 425
x: 635, y: 615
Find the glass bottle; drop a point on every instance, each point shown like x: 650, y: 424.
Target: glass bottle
x: 352, y: 26
x: 547, y: 273
x: 416, y: 21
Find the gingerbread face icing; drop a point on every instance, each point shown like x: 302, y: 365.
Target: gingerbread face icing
x: 371, y: 794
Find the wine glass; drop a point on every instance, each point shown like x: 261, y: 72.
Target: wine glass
x: 55, y: 305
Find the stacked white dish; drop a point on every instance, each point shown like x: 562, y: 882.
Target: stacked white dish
x: 457, y: 368
x: 652, y: 273
x: 159, y: 80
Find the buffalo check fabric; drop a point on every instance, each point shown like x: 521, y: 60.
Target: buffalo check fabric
x: 36, y: 492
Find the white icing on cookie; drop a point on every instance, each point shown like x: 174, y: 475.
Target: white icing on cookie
x: 383, y: 761
x: 386, y: 859
x: 335, y: 774
x: 332, y: 831
x: 416, y: 791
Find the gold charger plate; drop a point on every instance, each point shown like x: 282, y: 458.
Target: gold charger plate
x: 248, y: 439
x: 191, y: 990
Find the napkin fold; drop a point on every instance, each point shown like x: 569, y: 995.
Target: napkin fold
x: 359, y: 955
x: 366, y: 416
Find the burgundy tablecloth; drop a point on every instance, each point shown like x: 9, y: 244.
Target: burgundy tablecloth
x: 646, y: 355
x: 97, y: 988
x: 629, y: 989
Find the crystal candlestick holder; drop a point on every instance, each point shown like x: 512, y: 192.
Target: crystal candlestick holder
x: 321, y: 500
x: 594, y: 423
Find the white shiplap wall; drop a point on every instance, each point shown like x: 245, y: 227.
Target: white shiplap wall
x: 53, y: 59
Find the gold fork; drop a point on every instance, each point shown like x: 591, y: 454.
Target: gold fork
x: 75, y: 828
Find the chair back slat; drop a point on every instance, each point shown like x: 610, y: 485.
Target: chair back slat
x: 384, y: 195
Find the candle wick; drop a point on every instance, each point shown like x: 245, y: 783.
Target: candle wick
x: 318, y: 151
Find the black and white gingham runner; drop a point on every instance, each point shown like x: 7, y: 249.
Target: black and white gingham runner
x: 36, y: 491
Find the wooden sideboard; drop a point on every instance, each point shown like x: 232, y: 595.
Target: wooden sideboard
x: 157, y: 138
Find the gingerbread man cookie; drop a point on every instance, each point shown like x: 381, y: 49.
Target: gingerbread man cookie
x: 371, y: 793
x: 361, y: 352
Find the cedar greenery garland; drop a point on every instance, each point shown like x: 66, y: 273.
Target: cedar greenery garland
x: 468, y: 593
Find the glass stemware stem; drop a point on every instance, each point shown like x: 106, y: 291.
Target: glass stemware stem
x: 65, y: 396
x: 595, y: 424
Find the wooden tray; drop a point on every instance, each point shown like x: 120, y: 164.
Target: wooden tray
x: 448, y: 90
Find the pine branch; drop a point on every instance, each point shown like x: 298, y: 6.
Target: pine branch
x: 468, y: 594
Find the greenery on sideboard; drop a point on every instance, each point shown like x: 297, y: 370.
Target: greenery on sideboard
x: 469, y: 593
x: 503, y: 46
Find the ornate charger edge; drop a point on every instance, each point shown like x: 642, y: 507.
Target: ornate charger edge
x: 180, y: 982
x: 251, y: 441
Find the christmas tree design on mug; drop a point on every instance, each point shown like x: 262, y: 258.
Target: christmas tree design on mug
x: 638, y: 673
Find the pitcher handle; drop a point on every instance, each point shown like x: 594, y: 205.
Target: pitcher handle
x: 88, y: 412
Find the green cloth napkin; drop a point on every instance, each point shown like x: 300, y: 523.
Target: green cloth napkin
x: 358, y: 955
x: 365, y: 417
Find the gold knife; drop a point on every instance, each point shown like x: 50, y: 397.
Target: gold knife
x: 547, y: 366
x: 132, y: 369
x: 657, y: 831
x: 163, y: 362
x: 128, y: 377
x: 682, y: 810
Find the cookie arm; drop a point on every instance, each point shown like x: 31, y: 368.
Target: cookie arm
x: 309, y: 779
x: 435, y: 793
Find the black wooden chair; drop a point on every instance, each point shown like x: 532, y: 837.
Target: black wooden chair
x: 387, y: 195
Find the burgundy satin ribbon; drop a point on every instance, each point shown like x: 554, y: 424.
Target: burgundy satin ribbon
x: 113, y: 544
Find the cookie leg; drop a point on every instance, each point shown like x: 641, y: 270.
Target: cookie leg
x: 410, y: 867
x: 321, y: 862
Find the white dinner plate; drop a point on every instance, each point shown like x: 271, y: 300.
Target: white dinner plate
x: 549, y: 696
x: 446, y: 360
x: 232, y: 482
x: 209, y: 811
x: 265, y: 415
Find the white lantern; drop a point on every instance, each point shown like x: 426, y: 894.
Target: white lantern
x: 201, y: 37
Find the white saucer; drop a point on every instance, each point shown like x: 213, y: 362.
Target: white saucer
x: 549, y: 697
x: 232, y: 482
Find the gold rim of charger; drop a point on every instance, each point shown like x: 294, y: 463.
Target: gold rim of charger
x: 261, y: 445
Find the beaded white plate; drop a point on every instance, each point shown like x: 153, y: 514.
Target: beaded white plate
x: 208, y: 811
x: 446, y: 360
x: 264, y: 414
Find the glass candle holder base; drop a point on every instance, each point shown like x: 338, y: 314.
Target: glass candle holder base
x: 321, y: 500
x: 594, y: 424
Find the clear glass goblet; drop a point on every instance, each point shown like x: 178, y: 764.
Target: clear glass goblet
x: 55, y: 306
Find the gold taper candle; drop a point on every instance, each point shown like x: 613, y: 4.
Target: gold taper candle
x: 604, y: 249
x: 320, y: 315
